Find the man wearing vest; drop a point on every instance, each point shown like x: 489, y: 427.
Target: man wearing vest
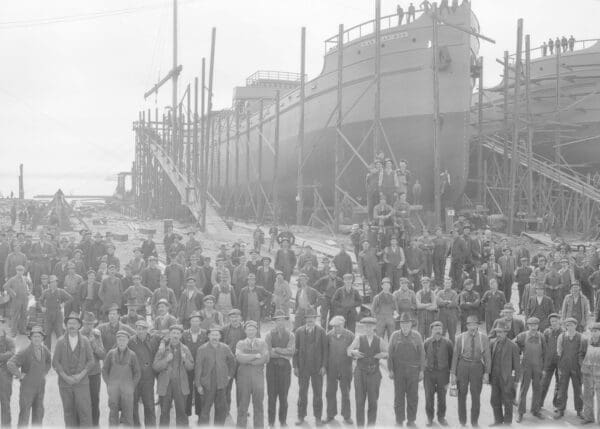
x: 73, y: 359
x: 281, y: 343
x: 471, y: 363
x: 551, y: 360
x: 367, y: 349
x: 568, y: 346
x: 393, y: 256
x: 310, y: 358
x: 406, y: 362
x: 532, y: 347
x: 438, y: 359
x: 504, y: 374
x: 339, y: 369
x: 31, y: 365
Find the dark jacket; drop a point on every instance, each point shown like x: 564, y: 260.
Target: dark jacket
x: 221, y: 359
x: 163, y: 368
x: 516, y: 327
x: 265, y: 278
x: 71, y: 362
x: 261, y: 293
x: 21, y: 364
x: 313, y: 297
x: 311, y: 351
x: 509, y: 361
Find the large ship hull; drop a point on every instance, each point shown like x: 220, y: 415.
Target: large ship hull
x: 406, y: 117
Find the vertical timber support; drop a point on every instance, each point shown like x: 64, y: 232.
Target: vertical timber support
x: 530, y: 195
x: 300, y: 149
x: 259, y: 197
x: 437, y: 198
x: 338, y: 142
x: 207, y: 126
x: 480, y: 188
x: 275, y: 191
x: 505, y: 122
x: 377, y: 59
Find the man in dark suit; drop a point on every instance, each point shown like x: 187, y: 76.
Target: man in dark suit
x: 540, y: 306
x: 307, y: 298
x: 514, y: 326
x: 505, y: 368
x: 309, y: 363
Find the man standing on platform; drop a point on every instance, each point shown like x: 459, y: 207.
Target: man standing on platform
x: 406, y: 362
x: 447, y: 301
x: 568, y: 347
x: 438, y: 360
x: 309, y: 362
x: 251, y: 353
x: 214, y: 367
x: 504, y: 374
x: 338, y: 369
x: 73, y: 359
x: 368, y: 349
x: 345, y: 300
x: 281, y: 343
x: 471, y: 362
x: 532, y: 347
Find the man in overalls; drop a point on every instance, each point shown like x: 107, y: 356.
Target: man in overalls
x: 532, y: 346
x: 251, y: 353
x: 405, y: 299
x: 471, y: 363
x: 368, y: 349
x: 382, y: 309
x: 568, y: 347
x: 447, y: 301
x: 121, y: 373
x: 590, y: 370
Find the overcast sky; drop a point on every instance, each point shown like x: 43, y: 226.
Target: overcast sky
x: 69, y: 90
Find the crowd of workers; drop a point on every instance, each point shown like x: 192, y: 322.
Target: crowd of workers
x: 425, y: 6
x: 191, y: 330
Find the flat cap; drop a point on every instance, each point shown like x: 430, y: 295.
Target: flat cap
x: 142, y: 323
x: 551, y: 315
x: 250, y: 324
x: 436, y: 323
x: 385, y: 280
x: 122, y: 334
x: 337, y: 320
x: 508, y: 307
x: 215, y: 327
x: 571, y: 320
x: 472, y: 319
x: 368, y: 321
x: 37, y: 329
x: 234, y: 312
x: 594, y: 326
x: 163, y: 301
x: 533, y: 321
x: 176, y: 328
x: 209, y: 298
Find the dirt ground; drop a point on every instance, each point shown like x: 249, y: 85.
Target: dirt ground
x: 121, y: 224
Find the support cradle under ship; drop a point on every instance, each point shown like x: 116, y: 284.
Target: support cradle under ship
x: 406, y: 113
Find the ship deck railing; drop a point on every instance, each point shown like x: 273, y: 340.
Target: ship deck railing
x: 538, y: 52
x: 272, y: 75
x: 364, y: 29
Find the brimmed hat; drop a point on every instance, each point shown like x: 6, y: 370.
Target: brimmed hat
x: 74, y: 316
x: 122, y: 334
x: 37, y: 330
x: 163, y: 301
x: 176, y: 328
x: 310, y: 313
x: 435, y: 324
x: 472, y: 319
x: 209, y: 298
x: 279, y: 314
x: 508, y: 307
x: 571, y: 320
x: 195, y: 314
x: 550, y: 316
x: 234, y: 312
x: 337, y: 320
x: 113, y: 307
x: 215, y: 327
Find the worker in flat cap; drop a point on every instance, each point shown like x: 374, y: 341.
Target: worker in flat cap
x: 345, y: 300
x: 110, y: 292
x: 214, y: 367
x: 568, y: 346
x: 551, y: 335
x: 369, y: 268
x: 191, y: 300
x: 176, y: 274
x: 469, y: 303
x: 194, y: 337
x: 230, y: 335
x: 367, y: 349
x: 17, y: 288
x: 590, y: 371
x: 438, y: 359
x: 137, y: 294
x: 90, y: 288
x: 163, y: 319
x: 427, y: 309
x: 447, y: 301
x: 121, y: 373
x: 382, y: 308
x: 540, y: 306
x: 576, y: 305
x: 30, y: 366
x: 252, y: 298
x: 406, y: 299
x: 532, y: 347
x: 471, y: 364
x: 108, y: 330
x: 172, y: 362
x: 72, y: 360
x: 310, y: 359
x: 265, y: 274
x: 132, y: 315
x: 504, y: 375
x: 307, y: 299
x: 251, y: 354
x: 281, y: 344
x: 209, y: 314
x: 144, y: 345
x: 51, y: 303
x: 406, y: 362
x: 89, y: 331
x: 492, y: 303
x: 338, y: 369
x: 516, y: 326
x: 285, y: 258
x: 163, y: 292
x: 393, y: 257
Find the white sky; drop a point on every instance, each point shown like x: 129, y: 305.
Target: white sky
x: 69, y: 91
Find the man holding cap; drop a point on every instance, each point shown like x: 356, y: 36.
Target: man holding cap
x: 327, y: 286
x: 121, y: 373
x: 438, y: 359
x: 31, y: 365
x: 532, y: 347
x: 406, y: 362
x: 145, y: 346
x: 51, y: 301
x: 73, y: 359
x: 345, y: 300
x: 504, y: 375
x: 338, y: 369
x: 251, y: 354
x: 309, y: 362
x: 551, y: 335
x: 172, y: 363
x: 367, y: 349
x: 281, y: 344
x: 471, y: 362
x: 568, y: 347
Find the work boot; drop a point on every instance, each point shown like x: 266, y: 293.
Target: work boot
x: 429, y: 423
x: 411, y: 424
x: 442, y: 422
x: 348, y: 421
x: 559, y: 415
x: 519, y: 418
x: 329, y: 419
x: 538, y: 415
x: 300, y: 421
